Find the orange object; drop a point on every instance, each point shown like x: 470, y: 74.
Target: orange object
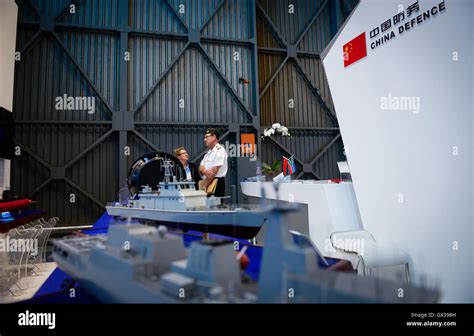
x: 244, y: 260
x: 247, y: 142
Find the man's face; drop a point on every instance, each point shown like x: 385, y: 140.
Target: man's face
x: 183, y: 155
x: 210, y: 140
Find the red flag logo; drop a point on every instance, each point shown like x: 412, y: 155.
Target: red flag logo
x: 354, y: 50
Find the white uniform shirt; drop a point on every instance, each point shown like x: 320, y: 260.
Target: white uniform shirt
x: 216, y: 157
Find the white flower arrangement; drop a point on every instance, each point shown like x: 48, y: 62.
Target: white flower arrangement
x: 276, y: 128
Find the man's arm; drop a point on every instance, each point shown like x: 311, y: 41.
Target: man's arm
x: 210, y: 174
x: 201, y: 169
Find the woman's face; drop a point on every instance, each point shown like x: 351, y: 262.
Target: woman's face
x: 183, y: 156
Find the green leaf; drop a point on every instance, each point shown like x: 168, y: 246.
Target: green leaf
x: 276, y: 165
x: 266, y: 167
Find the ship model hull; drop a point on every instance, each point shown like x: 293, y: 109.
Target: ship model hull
x: 123, y: 290
x: 244, y: 224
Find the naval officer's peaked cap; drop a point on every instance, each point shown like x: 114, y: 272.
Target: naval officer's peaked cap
x: 212, y: 131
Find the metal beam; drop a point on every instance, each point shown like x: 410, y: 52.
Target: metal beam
x: 82, y: 71
x: 123, y: 162
x: 85, y: 193
x: 273, y: 30
x: 65, y: 10
x: 278, y: 51
x: 214, y: 12
x: 181, y: 36
x: 315, y: 175
x: 346, y: 8
x: 63, y: 122
x: 275, y: 74
x: 325, y: 149
x: 34, y: 8
x: 90, y: 147
x: 256, y: 80
x: 160, y: 79
x: 146, y: 141
x: 165, y: 123
x: 41, y: 186
x: 310, y: 23
x: 30, y: 43
x: 334, y: 16
x: 33, y: 155
x: 225, y: 81
x: 86, y: 28
x: 123, y: 65
x: 176, y: 15
x: 308, y: 54
x: 279, y: 145
x: 155, y: 34
x: 227, y: 40
x: 299, y: 175
x: 28, y: 23
x: 314, y: 90
x: 123, y: 99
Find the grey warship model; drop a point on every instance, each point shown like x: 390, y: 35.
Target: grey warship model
x: 180, y: 203
x: 143, y: 264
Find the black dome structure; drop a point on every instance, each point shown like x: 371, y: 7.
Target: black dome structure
x: 147, y: 170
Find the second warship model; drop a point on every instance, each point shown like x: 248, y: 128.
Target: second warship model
x: 137, y: 263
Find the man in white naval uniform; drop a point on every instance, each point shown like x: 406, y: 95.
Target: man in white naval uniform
x: 214, y: 164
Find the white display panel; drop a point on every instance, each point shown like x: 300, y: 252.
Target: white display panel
x: 412, y: 163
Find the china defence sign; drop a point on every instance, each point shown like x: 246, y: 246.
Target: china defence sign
x: 389, y: 29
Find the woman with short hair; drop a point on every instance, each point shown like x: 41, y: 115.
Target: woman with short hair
x: 192, y: 173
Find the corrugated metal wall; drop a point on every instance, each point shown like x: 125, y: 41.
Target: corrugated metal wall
x: 293, y: 88
x: 172, y: 56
